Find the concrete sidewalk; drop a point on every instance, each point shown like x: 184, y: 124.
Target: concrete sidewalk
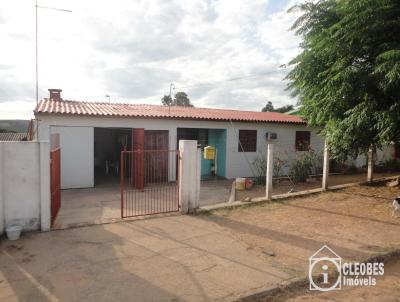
x: 176, y: 258
x: 102, y: 204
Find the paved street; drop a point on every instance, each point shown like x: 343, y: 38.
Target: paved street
x: 161, y: 259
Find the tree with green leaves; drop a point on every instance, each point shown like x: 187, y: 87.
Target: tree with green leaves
x: 284, y: 108
x: 166, y: 100
x: 347, y: 76
x: 181, y: 99
x: 270, y: 108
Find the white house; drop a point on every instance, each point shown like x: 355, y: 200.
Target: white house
x: 92, y: 135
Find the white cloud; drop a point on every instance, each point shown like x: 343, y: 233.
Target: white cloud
x: 19, y: 110
x: 133, y: 50
x: 275, y: 34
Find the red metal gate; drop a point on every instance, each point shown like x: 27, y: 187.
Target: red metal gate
x: 55, y: 183
x: 149, y: 182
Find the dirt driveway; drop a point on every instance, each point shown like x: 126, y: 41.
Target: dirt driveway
x: 355, y: 222
x: 386, y: 290
x: 197, y: 258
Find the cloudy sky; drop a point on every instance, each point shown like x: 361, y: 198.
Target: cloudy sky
x: 224, y: 54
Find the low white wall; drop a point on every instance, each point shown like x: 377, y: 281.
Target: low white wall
x: 25, y: 185
x: 382, y: 155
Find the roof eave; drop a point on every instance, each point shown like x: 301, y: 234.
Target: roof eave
x: 171, y: 118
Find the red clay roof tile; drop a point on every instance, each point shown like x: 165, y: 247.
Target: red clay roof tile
x: 12, y: 137
x: 158, y: 111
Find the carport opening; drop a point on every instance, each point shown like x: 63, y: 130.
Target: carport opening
x: 108, y: 144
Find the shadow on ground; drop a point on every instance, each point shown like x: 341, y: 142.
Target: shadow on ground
x: 77, y: 265
x: 176, y: 258
x: 197, y: 258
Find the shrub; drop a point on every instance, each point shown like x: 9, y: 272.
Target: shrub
x: 305, y: 164
x: 260, y: 163
x: 300, y: 169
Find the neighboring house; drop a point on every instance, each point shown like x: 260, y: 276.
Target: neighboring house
x: 12, y: 137
x: 92, y: 134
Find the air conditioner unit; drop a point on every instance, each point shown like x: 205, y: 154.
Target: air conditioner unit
x: 271, y: 135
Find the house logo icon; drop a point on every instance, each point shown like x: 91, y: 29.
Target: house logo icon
x: 325, y: 267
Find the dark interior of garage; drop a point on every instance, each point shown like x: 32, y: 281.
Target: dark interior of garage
x: 108, y: 144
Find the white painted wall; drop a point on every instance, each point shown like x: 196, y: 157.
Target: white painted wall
x: 25, y: 185
x: 387, y: 153
x: 284, y: 145
x: 77, y: 156
x: 237, y: 162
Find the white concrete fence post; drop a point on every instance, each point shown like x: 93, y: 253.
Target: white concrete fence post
x: 370, y: 172
x: 325, y: 172
x: 269, y: 172
x: 189, y: 176
x: 198, y: 174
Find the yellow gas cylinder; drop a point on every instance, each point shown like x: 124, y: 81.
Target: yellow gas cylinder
x: 209, y: 152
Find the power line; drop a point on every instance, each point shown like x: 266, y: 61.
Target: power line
x: 230, y: 79
x: 37, y: 53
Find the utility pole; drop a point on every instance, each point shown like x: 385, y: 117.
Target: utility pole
x: 171, y: 87
x: 37, y: 53
x: 37, y: 68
